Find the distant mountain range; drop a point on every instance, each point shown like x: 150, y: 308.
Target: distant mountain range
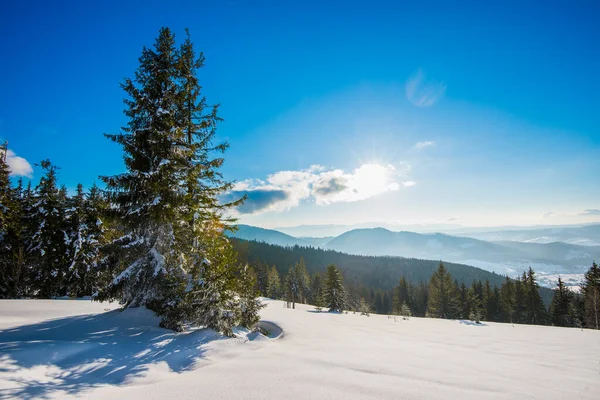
x: 500, y: 253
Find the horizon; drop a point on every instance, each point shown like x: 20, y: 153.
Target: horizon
x: 468, y: 115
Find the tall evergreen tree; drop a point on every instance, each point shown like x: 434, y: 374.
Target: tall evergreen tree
x: 175, y: 258
x: 443, y: 297
x: 87, y: 238
x: 508, y: 300
x: 562, y: 309
x: 401, y: 296
x: 13, y: 267
x: 49, y: 243
x: 274, y: 288
x: 535, y: 309
x: 591, y: 297
x: 297, y: 284
x: 334, y: 293
x: 316, y: 290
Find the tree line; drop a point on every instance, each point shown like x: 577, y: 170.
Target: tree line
x: 154, y: 236
x: 515, y: 301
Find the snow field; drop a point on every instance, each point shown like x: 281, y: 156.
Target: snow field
x: 316, y: 356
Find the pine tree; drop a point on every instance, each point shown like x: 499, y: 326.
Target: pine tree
x: 274, y: 288
x: 443, y: 297
x: 250, y: 305
x: 405, y: 311
x: 87, y: 238
x: 173, y: 254
x: 535, y: 311
x: 297, y: 284
x: 262, y: 278
x: 316, y: 290
x: 364, y: 307
x: 562, y: 310
x: 465, y: 304
x: 13, y: 267
x: 591, y: 297
x: 508, y: 300
x: 334, y: 293
x: 50, y: 241
x: 401, y: 296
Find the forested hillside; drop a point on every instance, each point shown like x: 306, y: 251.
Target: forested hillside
x: 370, y: 272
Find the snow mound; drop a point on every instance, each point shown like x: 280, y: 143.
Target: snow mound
x: 73, y: 354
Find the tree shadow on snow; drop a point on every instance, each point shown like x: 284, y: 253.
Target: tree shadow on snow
x: 77, y: 353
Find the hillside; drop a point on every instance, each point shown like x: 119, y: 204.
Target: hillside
x: 377, y: 272
x: 502, y: 257
x: 72, y: 350
x: 248, y: 232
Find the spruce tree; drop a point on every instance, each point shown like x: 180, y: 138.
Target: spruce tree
x: 591, y: 297
x: 535, y: 309
x: 562, y: 310
x: 364, y: 307
x: 297, y: 284
x: 87, y: 237
x: 443, y: 299
x: 274, y: 288
x: 13, y: 267
x: 173, y: 255
x: 316, y: 290
x: 401, y: 296
x: 49, y: 242
x: 508, y: 300
x: 334, y: 293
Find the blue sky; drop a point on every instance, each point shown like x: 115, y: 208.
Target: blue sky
x: 471, y: 113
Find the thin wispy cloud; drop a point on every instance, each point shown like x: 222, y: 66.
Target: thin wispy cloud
x: 590, y: 211
x: 287, y: 189
x: 423, y: 92
x: 18, y: 165
x: 422, y: 145
x: 409, y: 183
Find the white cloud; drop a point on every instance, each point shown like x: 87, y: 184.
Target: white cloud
x: 286, y: 189
x: 422, y: 145
x: 422, y: 92
x: 18, y: 165
x: 409, y: 183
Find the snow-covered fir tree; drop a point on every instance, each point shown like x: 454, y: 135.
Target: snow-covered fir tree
x: 48, y: 245
x: 87, y: 235
x: 297, y: 284
x: 13, y: 267
x: 173, y: 255
x: 334, y: 292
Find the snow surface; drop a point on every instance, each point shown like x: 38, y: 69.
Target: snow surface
x: 83, y: 352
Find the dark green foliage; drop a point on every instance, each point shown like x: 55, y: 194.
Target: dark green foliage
x: 334, y: 293
x: 297, y: 284
x: 508, y: 300
x: 274, y: 284
x: 15, y: 204
x: 562, y: 309
x: 443, y: 295
x: 49, y: 243
x: 172, y: 256
x: 535, y: 310
x: 317, y: 286
x: 591, y: 297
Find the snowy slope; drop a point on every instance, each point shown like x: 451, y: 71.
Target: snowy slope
x: 318, y: 356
